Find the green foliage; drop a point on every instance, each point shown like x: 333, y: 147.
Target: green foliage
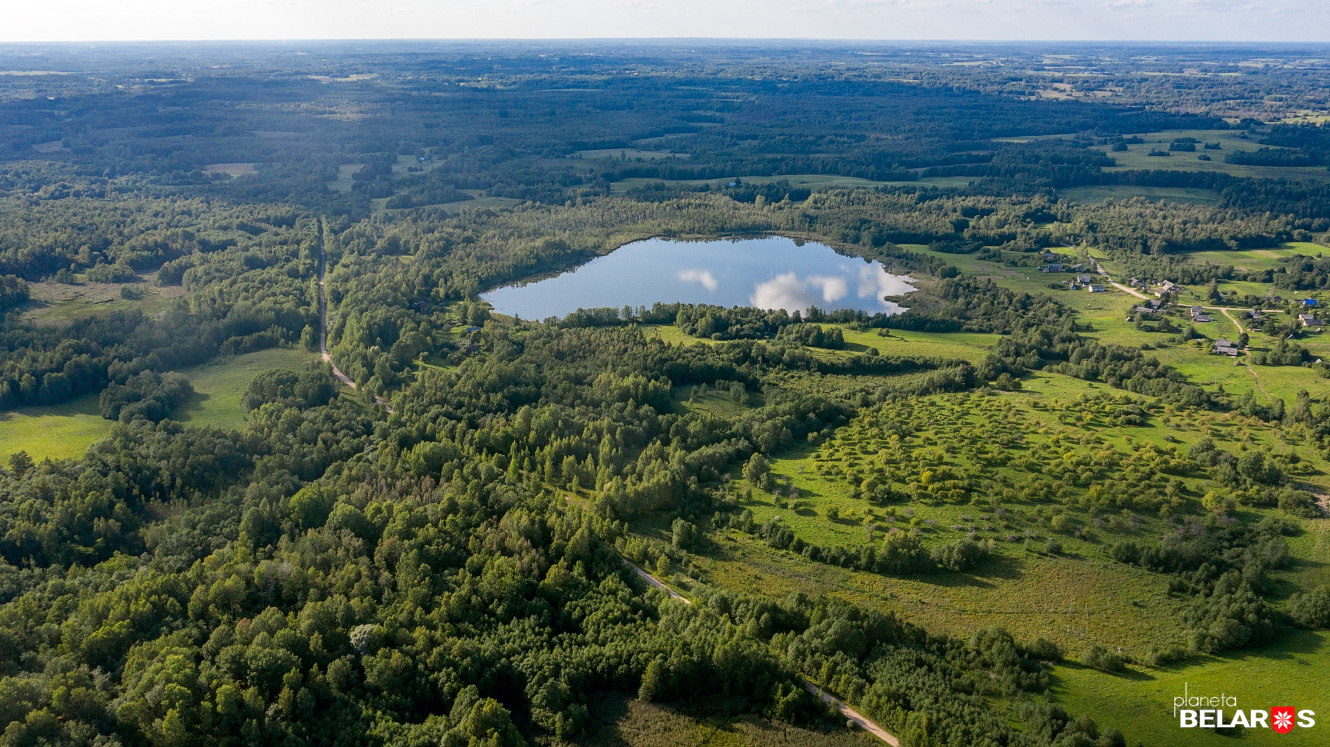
x: 289, y: 389
x: 1098, y: 657
x: 147, y: 395
x: 1310, y: 609
x: 13, y: 292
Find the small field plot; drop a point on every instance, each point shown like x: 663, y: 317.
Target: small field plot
x: 232, y: 169
x: 1289, y: 672
x: 1098, y: 194
x: 58, y: 304
x: 972, y: 347
x: 1137, y: 155
x: 218, y: 386
x: 627, y: 154
x: 65, y: 431
x: 807, y: 181
x: 1258, y: 259
x: 344, y: 174
x: 59, y: 432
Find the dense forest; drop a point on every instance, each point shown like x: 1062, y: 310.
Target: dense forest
x: 452, y: 550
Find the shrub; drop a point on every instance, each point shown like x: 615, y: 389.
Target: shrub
x: 104, y: 273
x: 1044, y: 650
x: 960, y: 555
x: 1098, y: 657
x: 1311, y: 609
x: 1298, y: 503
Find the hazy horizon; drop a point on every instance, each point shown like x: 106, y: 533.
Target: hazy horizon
x: 1180, y: 21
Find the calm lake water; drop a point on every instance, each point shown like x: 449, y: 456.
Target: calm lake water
x: 767, y: 273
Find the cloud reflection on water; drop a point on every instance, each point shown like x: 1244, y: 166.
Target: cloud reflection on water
x: 790, y: 292
x: 772, y: 272
x: 703, y: 277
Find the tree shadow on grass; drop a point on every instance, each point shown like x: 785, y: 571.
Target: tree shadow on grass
x: 191, y: 407
x: 1128, y: 673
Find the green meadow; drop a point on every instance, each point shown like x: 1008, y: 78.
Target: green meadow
x: 65, y: 431
x: 61, y: 431
x: 809, y: 181
x: 1056, y: 431
x: 1289, y: 672
x: 1101, y: 193
x: 1137, y: 156
x: 219, y: 385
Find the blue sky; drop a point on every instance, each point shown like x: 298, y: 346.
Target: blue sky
x: 1201, y: 20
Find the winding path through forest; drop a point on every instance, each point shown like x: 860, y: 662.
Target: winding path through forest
x: 849, y: 713
x: 323, y: 321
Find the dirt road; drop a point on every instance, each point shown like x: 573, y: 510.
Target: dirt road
x: 323, y: 325
x: 849, y: 713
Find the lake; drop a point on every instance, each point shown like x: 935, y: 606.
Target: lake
x: 767, y: 273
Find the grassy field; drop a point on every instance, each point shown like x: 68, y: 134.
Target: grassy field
x: 58, y: 304
x: 1057, y: 438
x: 67, y: 430
x: 1289, y: 672
x: 809, y: 181
x: 60, y: 432
x: 344, y: 174
x: 231, y: 169
x: 1137, y: 156
x: 1258, y: 259
x: 219, y: 385
x: 1098, y: 194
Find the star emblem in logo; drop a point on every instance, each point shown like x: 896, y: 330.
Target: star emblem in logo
x: 1282, y: 719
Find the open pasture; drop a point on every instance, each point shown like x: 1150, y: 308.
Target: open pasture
x: 1137, y: 156
x: 1288, y: 672
x: 232, y: 169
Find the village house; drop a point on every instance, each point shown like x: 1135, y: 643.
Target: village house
x: 1198, y: 315
x: 1226, y: 347
x: 1055, y: 267
x: 1168, y: 286
x: 1097, y: 288
x: 1308, y: 320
